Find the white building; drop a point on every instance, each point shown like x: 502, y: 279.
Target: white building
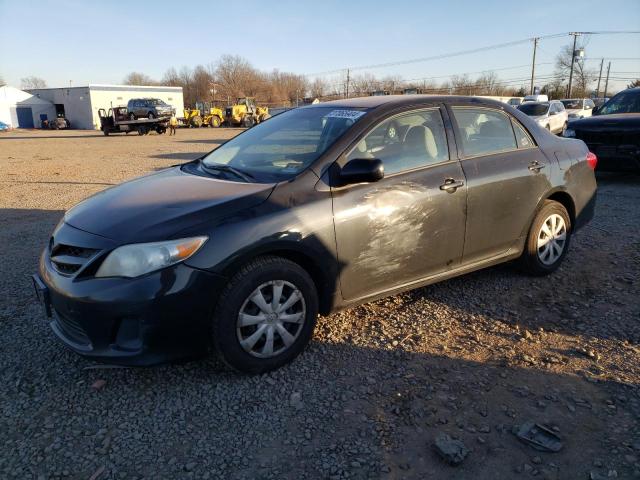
x: 80, y: 105
x: 20, y: 109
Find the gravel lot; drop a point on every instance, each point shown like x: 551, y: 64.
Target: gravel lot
x: 471, y: 357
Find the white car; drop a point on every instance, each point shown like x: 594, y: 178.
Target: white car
x: 578, y: 107
x: 550, y: 115
x: 535, y: 98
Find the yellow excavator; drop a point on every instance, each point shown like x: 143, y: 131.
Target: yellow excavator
x: 245, y: 113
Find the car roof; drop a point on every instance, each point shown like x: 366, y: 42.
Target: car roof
x: 399, y: 100
x: 539, y: 103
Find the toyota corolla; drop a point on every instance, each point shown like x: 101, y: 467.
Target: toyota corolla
x: 314, y: 210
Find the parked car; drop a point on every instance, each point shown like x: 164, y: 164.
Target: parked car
x: 317, y: 209
x: 613, y: 132
x: 578, y: 107
x: 550, y: 115
x: 535, y: 98
x: 149, y: 108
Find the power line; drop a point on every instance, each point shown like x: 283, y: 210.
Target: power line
x: 467, y: 52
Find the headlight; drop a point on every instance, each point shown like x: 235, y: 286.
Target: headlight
x: 140, y: 258
x: 569, y: 133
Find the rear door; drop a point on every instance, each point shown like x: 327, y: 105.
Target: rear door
x: 506, y: 177
x: 410, y: 224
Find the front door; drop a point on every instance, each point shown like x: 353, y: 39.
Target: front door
x: 506, y: 177
x: 410, y: 224
x: 25, y: 117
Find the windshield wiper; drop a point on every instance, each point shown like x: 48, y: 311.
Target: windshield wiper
x: 247, y: 177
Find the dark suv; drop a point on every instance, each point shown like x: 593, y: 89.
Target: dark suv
x: 613, y: 132
x: 314, y: 210
x: 148, y: 108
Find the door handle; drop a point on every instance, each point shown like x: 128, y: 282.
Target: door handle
x: 536, y: 166
x: 450, y: 185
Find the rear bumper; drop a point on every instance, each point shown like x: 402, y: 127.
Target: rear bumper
x: 160, y: 317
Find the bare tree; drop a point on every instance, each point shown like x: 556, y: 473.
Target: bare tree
x: 138, y: 78
x: 634, y: 84
x: 319, y: 88
x: 171, y: 78
x: 32, y: 82
x: 582, y: 76
x: 236, y: 76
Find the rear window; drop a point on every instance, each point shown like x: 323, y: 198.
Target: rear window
x: 534, y: 109
x: 484, y: 131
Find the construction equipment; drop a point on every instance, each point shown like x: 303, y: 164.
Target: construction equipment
x: 212, y: 115
x: 191, y: 118
x: 245, y: 113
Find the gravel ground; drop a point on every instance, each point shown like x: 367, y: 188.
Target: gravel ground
x: 470, y: 358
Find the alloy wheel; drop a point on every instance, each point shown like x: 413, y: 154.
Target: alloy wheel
x: 552, y: 239
x: 271, y: 319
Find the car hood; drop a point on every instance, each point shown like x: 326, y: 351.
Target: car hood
x: 624, y: 121
x: 161, y: 205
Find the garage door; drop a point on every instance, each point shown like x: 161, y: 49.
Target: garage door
x: 25, y: 117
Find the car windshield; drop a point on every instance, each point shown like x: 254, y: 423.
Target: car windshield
x: 283, y: 146
x: 572, y: 104
x: 534, y: 109
x: 624, y: 102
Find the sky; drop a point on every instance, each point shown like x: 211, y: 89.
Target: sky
x: 101, y: 41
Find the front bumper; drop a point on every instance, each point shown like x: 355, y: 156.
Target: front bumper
x: 159, y: 317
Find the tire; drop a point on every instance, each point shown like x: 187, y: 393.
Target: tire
x: 151, y: 116
x: 215, y: 121
x: 132, y: 116
x: 267, y: 275
x: 536, y: 259
x: 106, y: 132
x: 196, y: 121
x: 248, y: 121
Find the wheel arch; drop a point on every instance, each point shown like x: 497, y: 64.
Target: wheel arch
x: 324, y: 281
x: 563, y: 198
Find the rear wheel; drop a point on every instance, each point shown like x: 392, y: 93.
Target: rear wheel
x: 265, y: 316
x: 215, y: 121
x: 548, y: 239
x: 151, y: 116
x: 248, y: 121
x: 132, y: 116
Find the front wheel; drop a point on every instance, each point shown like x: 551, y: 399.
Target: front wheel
x: 548, y: 240
x: 265, y: 316
x: 151, y: 116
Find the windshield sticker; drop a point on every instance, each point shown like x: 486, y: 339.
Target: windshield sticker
x: 350, y: 114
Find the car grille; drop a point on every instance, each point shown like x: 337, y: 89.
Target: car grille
x: 68, y: 259
x: 72, y: 329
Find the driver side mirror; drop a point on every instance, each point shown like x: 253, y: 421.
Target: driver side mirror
x: 361, y: 170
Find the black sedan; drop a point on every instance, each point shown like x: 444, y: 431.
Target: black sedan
x: 317, y: 209
x: 613, y: 132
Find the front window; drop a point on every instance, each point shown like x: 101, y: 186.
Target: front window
x: 534, y: 109
x: 284, y: 146
x: 411, y: 140
x: 624, y: 102
x: 572, y: 104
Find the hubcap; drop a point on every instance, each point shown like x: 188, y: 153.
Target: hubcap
x: 271, y: 319
x: 552, y: 239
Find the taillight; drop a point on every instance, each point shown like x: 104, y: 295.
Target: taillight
x: 592, y: 160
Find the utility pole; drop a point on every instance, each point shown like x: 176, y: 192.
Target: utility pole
x: 599, y: 78
x: 606, y: 83
x: 347, y: 89
x: 573, y: 59
x: 533, y: 63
